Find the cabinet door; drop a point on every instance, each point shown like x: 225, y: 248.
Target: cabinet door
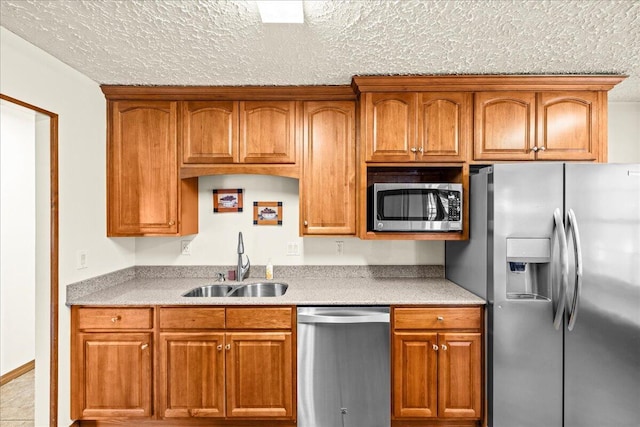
x: 191, y: 375
x: 444, y: 126
x: 209, y: 132
x: 459, y: 376
x: 390, y: 127
x: 267, y: 132
x: 567, y: 126
x: 415, y: 374
x: 328, y: 198
x: 260, y: 374
x: 504, y: 126
x: 142, y: 168
x: 112, y: 375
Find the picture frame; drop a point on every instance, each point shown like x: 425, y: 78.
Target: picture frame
x: 267, y: 213
x: 227, y: 200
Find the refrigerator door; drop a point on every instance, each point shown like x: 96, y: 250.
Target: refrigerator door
x: 524, y: 348
x: 602, y: 352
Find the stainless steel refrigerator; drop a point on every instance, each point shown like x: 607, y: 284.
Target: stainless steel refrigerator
x: 555, y: 250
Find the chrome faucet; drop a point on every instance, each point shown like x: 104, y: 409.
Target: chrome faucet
x: 241, y: 270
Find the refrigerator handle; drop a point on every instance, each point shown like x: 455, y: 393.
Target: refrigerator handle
x: 564, y: 267
x: 572, y: 226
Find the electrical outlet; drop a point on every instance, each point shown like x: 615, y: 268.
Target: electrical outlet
x: 339, y: 247
x: 186, y: 247
x: 293, y: 249
x: 81, y: 259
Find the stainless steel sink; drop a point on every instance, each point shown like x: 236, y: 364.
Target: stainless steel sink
x: 260, y: 290
x: 209, y: 291
x: 248, y: 290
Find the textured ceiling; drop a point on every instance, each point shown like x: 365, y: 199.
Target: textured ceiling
x: 224, y: 43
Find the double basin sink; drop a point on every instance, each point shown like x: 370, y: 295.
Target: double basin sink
x: 239, y: 290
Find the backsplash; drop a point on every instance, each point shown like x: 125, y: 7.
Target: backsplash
x: 216, y: 241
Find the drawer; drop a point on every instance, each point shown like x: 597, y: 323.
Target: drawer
x: 259, y: 318
x: 115, y: 318
x: 437, y: 318
x: 191, y: 318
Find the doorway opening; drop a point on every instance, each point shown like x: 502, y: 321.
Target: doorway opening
x: 40, y: 243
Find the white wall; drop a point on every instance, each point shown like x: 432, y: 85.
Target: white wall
x: 17, y: 236
x: 216, y: 242
x: 33, y: 76
x: 624, y: 132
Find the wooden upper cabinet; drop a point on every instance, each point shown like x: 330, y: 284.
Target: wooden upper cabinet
x: 423, y: 127
x: 504, y: 126
x: 537, y: 126
x: 444, y: 126
x: 210, y: 132
x: 267, y: 132
x: 145, y: 195
x: 328, y: 194
x: 567, y: 126
x: 389, y: 126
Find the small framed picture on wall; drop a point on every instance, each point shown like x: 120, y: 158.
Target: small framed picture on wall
x: 267, y: 213
x: 227, y: 200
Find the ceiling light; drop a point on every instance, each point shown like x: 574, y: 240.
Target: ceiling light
x: 281, y: 12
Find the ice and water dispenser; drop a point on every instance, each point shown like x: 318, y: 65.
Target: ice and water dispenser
x: 528, y: 268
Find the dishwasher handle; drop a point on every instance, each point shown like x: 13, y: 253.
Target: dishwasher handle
x: 345, y: 317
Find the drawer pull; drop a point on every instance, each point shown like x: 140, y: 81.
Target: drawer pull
x: 440, y: 318
x: 144, y: 346
x: 116, y: 319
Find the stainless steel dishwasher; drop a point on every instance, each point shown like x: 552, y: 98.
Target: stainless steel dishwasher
x: 343, y: 367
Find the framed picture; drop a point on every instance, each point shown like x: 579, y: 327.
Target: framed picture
x: 227, y: 200
x: 267, y: 213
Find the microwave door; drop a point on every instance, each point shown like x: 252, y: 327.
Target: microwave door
x: 394, y: 205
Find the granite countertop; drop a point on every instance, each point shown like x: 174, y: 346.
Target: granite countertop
x: 148, y: 288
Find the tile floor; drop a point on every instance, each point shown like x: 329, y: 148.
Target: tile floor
x: 16, y: 402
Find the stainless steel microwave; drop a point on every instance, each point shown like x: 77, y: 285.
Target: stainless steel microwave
x: 417, y: 207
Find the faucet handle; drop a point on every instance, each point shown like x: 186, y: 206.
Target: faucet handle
x: 221, y: 277
x: 245, y: 269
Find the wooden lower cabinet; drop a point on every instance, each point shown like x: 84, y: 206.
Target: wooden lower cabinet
x: 437, y: 371
x: 191, y: 375
x: 112, y: 363
x: 236, y: 366
x: 236, y: 363
x: 260, y: 375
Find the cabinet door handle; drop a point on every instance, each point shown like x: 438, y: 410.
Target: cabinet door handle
x: 306, y: 223
x: 219, y: 347
x: 542, y: 148
x: 420, y: 150
x: 534, y: 149
x: 172, y: 222
x: 435, y: 347
x: 227, y: 347
x: 414, y: 149
x: 144, y: 346
x: 114, y: 319
x: 444, y: 347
